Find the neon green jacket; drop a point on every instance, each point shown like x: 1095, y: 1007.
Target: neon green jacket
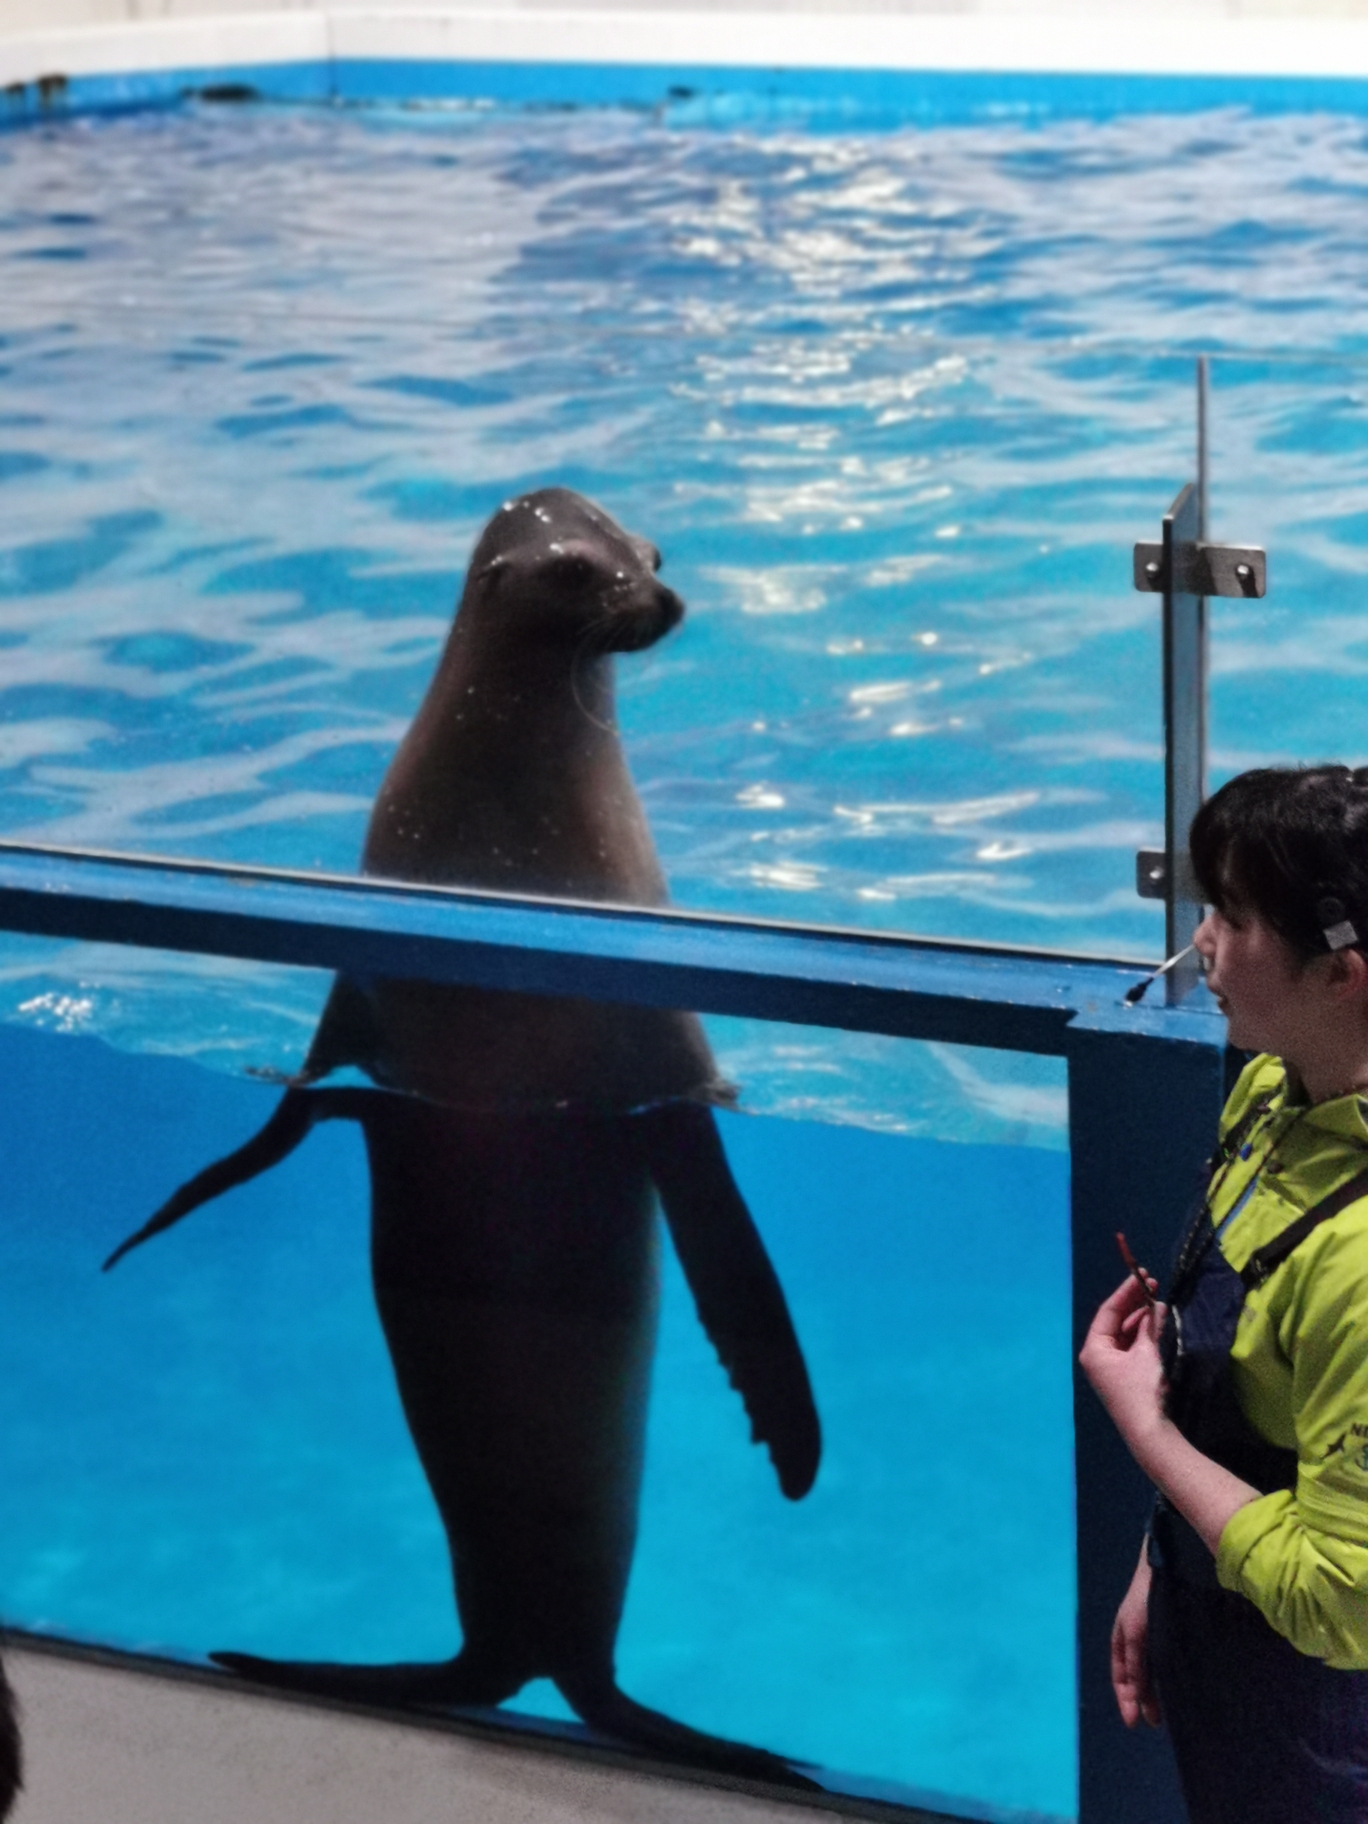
x: 1300, y: 1366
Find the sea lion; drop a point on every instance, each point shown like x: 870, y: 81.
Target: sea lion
x: 517, y: 1147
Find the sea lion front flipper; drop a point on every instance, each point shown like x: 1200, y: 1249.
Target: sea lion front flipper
x: 295, y: 1114
x: 740, y: 1302
x: 347, y: 1033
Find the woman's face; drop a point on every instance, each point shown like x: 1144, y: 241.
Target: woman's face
x: 1262, y: 986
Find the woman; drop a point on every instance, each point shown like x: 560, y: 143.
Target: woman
x: 1246, y: 1622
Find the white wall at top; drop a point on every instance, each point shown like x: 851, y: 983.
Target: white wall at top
x: 49, y: 15
x: 1257, y: 38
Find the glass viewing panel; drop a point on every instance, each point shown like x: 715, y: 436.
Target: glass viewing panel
x: 206, y: 1450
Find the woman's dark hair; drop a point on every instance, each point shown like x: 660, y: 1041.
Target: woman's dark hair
x: 1290, y: 844
x: 11, y: 1764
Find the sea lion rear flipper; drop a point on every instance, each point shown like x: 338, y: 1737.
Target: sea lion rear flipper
x: 462, y: 1680
x: 740, y: 1302
x: 294, y: 1116
x: 616, y: 1714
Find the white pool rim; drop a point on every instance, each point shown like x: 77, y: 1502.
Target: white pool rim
x: 334, y: 37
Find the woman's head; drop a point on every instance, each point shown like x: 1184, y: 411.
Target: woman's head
x: 1290, y: 846
x: 1282, y: 858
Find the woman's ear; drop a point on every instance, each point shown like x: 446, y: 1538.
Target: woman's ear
x: 1347, y: 974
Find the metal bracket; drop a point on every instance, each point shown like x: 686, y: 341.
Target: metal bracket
x: 1202, y: 569
x: 1151, y: 873
x: 1152, y: 876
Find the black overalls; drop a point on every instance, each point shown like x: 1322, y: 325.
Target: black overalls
x: 1263, y: 1734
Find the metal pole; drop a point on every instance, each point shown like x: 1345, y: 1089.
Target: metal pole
x: 1185, y: 669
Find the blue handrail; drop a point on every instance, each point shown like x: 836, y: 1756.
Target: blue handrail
x: 960, y: 992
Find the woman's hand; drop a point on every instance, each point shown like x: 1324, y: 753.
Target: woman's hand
x: 1120, y: 1356
x: 1130, y: 1668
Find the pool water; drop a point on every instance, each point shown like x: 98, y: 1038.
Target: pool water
x: 894, y: 404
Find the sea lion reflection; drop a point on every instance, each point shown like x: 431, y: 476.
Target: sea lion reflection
x: 518, y: 1146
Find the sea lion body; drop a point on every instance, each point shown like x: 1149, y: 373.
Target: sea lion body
x: 518, y: 1145
x: 522, y: 1336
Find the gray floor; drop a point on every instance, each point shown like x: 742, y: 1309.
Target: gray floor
x: 115, y: 1747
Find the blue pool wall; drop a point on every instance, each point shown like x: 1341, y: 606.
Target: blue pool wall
x: 866, y: 98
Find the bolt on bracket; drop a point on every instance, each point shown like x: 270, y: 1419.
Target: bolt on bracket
x: 1202, y: 569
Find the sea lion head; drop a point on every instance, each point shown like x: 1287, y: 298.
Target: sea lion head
x: 552, y: 566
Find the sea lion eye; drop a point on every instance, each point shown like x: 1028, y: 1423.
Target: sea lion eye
x: 570, y: 570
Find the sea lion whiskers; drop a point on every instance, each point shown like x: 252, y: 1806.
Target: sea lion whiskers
x: 591, y: 649
x: 583, y: 656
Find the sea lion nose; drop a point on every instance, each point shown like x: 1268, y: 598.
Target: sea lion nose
x: 649, y: 553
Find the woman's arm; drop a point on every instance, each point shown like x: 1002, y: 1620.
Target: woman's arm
x: 1301, y: 1556
x: 1120, y: 1357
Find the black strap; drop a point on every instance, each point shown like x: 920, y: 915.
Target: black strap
x: 1199, y: 1233
x: 1232, y: 1142
x: 1273, y: 1253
